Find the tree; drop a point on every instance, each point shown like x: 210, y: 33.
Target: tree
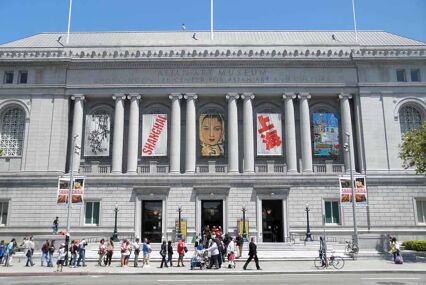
x: 413, y: 149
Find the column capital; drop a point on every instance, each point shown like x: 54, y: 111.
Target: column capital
x: 231, y: 96
x: 119, y: 96
x: 190, y: 96
x: 247, y: 96
x: 78, y: 96
x: 345, y: 96
x: 137, y: 96
x: 289, y: 95
x: 175, y: 96
x: 304, y: 96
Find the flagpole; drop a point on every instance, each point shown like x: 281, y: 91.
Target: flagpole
x: 353, y: 12
x: 211, y: 20
x: 69, y: 21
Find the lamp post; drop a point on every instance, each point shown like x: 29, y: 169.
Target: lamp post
x: 115, y: 234
x: 308, y: 229
x: 348, y: 149
x: 179, y: 233
x: 244, y: 210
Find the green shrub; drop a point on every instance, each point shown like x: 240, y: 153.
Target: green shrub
x: 418, y: 245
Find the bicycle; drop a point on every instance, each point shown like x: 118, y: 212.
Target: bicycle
x: 351, y: 249
x: 324, y: 262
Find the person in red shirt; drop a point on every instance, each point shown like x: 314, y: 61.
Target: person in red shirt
x: 181, y: 251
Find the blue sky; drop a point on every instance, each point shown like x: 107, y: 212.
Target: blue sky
x: 21, y: 18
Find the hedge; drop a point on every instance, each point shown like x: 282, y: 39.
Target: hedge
x: 418, y: 245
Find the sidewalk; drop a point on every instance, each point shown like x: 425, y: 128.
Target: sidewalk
x: 268, y: 267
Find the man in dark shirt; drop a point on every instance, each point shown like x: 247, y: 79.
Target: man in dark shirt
x: 252, y: 254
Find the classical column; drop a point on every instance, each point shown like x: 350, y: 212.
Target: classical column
x: 248, y: 132
x: 117, y: 141
x: 133, y: 141
x: 305, y: 132
x: 77, y: 129
x: 175, y: 140
x: 290, y: 132
x: 232, y: 132
x: 191, y: 146
x: 345, y: 113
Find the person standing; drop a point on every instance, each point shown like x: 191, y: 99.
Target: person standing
x: 137, y: 249
x: 124, y: 250
x: 29, y: 251
x: 252, y: 254
x: 61, y: 258
x: 240, y: 244
x: 2, y: 250
x: 50, y: 253
x: 8, y: 252
x: 45, y: 253
x: 181, y: 251
x: 73, y: 251
x: 163, y: 253
x: 101, y: 251
x: 231, y: 254
x: 170, y: 253
x: 55, y: 225
x: 82, y: 252
x: 214, y: 254
x: 109, y: 252
x: 146, y: 252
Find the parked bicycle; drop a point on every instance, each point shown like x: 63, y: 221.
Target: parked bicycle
x: 351, y: 249
x: 325, y: 262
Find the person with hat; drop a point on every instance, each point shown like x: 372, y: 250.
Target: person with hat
x: 61, y: 257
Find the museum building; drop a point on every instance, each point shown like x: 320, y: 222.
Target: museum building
x: 253, y: 123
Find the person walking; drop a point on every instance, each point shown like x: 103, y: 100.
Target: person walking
x: 214, y: 254
x: 252, y: 254
x: 45, y: 253
x: 231, y: 254
x: 2, y: 250
x: 29, y: 251
x: 55, y: 225
x: 137, y: 250
x: 82, y: 252
x: 394, y: 248
x: 240, y: 244
x: 61, y: 258
x: 181, y: 251
x: 101, y: 251
x: 73, y: 251
x: 146, y: 252
x: 163, y: 253
x: 170, y: 253
x: 109, y: 252
x: 8, y: 252
x: 50, y: 253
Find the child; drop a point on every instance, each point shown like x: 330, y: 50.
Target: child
x: 231, y: 254
x: 61, y: 257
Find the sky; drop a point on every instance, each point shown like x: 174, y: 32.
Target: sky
x: 22, y: 18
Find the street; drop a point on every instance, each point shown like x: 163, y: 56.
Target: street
x: 327, y: 278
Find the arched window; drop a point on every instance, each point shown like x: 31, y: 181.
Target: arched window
x: 12, y: 131
x: 409, y: 118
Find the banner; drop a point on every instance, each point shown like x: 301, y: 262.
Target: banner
x: 212, y: 134
x: 360, y: 189
x: 154, y: 135
x: 63, y: 190
x: 240, y: 227
x: 325, y: 128
x: 182, y: 228
x: 97, y: 134
x: 269, y: 133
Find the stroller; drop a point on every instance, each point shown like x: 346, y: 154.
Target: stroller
x: 200, y: 259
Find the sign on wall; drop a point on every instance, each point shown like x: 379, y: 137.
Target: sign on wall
x: 212, y: 134
x: 325, y: 128
x: 154, y: 135
x: 97, y: 134
x: 360, y: 189
x: 76, y: 194
x: 269, y: 132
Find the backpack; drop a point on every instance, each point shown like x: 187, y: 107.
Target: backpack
x: 399, y: 260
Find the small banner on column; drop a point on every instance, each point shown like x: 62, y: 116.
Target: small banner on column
x: 154, y: 135
x: 269, y: 134
x: 77, y: 192
x: 360, y: 190
x: 240, y: 227
x: 182, y: 228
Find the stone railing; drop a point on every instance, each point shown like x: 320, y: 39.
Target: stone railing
x: 328, y: 168
x: 211, y: 167
x: 95, y: 168
x: 153, y: 168
x: 271, y: 167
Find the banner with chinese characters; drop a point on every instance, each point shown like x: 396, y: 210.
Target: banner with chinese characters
x: 182, y: 228
x: 97, y: 134
x: 269, y: 134
x: 77, y: 192
x: 212, y: 134
x: 154, y: 135
x: 325, y: 128
x: 360, y: 189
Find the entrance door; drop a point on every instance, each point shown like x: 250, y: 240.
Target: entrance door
x: 152, y: 220
x: 211, y: 214
x: 272, y: 220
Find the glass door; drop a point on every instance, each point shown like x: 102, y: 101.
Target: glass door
x: 272, y: 220
x: 152, y: 220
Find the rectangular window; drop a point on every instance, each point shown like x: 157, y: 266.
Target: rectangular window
x: 332, y: 214
x: 421, y: 211
x: 400, y: 75
x: 3, y: 213
x: 415, y: 75
x: 23, y: 77
x: 8, y: 77
x: 92, y: 213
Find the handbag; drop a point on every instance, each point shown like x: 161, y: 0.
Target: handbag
x: 185, y: 249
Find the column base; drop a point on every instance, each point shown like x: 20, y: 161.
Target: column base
x: 189, y: 171
x: 116, y: 172
x: 308, y: 171
x: 174, y: 172
x: 233, y: 172
x: 132, y: 172
x: 292, y: 171
x: 248, y: 172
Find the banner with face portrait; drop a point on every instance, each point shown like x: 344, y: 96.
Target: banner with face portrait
x: 212, y: 135
x: 325, y: 128
x: 76, y: 194
x: 154, y: 135
x: 360, y: 189
x: 269, y: 134
x: 97, y: 134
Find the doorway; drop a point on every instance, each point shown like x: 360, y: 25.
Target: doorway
x: 211, y: 213
x: 272, y: 220
x: 152, y: 213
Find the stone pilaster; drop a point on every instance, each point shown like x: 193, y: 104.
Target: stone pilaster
x: 248, y: 132
x: 133, y: 141
x: 175, y: 130
x: 117, y: 142
x: 290, y: 132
